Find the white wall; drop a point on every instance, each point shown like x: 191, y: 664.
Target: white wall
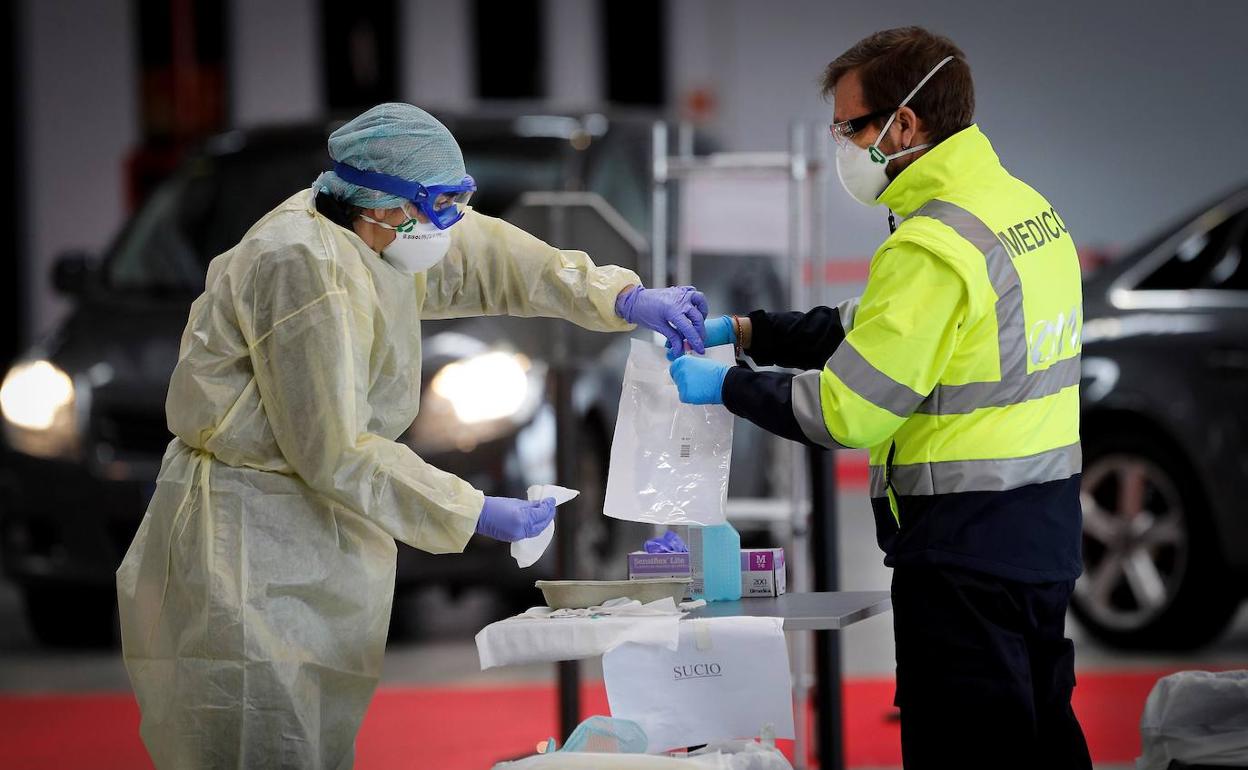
x: 696, y: 55
x: 1125, y: 114
x: 437, y: 57
x: 81, y: 119
x: 435, y: 54
x: 574, y: 54
x: 275, y: 61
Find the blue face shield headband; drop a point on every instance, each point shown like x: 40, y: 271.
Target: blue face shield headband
x: 442, y: 204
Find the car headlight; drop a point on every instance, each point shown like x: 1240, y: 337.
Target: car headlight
x: 478, y: 399
x: 38, y: 402
x: 492, y: 386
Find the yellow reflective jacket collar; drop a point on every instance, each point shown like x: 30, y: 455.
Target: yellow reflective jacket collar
x: 941, y: 169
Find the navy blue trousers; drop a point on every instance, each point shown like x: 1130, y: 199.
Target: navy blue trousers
x: 984, y: 672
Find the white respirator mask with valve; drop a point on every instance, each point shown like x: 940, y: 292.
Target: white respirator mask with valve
x: 862, y: 171
x: 417, y: 245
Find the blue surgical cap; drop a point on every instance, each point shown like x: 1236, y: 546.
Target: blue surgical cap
x: 396, y: 139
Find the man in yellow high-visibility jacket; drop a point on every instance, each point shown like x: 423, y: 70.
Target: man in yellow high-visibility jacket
x: 959, y: 368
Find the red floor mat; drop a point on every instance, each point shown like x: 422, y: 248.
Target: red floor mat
x: 475, y: 727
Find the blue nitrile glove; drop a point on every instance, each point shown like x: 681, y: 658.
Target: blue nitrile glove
x: 719, y: 331
x: 699, y: 380
x: 509, y: 519
x: 677, y: 312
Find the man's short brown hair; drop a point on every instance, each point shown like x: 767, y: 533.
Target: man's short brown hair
x: 892, y: 62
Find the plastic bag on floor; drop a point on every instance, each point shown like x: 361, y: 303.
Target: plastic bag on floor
x: 571, y: 761
x: 734, y: 755
x: 669, y: 461
x: 1196, y: 717
x: 746, y: 755
x: 604, y: 735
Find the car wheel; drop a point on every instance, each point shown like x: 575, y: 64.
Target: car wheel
x: 71, y: 617
x: 1153, y: 573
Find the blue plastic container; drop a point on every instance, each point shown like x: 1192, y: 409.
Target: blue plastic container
x: 721, y: 554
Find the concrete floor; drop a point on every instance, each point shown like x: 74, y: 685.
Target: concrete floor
x: 442, y: 651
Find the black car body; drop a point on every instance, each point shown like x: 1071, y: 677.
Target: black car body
x: 1165, y: 434
x: 76, y: 473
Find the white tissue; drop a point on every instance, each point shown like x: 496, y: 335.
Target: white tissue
x: 527, y: 552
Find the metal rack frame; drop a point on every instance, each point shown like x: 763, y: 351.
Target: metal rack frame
x: 810, y: 507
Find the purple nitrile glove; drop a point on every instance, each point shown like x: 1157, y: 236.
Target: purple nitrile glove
x: 508, y: 519
x: 677, y: 312
x: 669, y: 542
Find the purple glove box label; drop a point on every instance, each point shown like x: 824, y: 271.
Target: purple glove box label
x: 762, y: 572
x: 757, y: 561
x: 643, y: 565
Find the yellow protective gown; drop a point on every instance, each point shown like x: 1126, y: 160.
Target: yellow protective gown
x: 255, y: 598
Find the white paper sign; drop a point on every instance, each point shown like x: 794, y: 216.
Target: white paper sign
x: 727, y: 680
x: 717, y: 218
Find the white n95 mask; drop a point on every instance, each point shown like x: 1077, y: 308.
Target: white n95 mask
x: 862, y: 171
x: 417, y: 245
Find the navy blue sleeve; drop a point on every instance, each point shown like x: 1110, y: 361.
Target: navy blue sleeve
x: 795, y: 340
x: 765, y: 399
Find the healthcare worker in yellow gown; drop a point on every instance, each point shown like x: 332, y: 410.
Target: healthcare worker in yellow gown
x: 255, y: 598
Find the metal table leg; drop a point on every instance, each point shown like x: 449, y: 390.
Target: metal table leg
x: 565, y: 538
x: 829, y: 726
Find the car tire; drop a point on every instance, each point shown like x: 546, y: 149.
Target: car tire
x: 71, y: 616
x: 1154, y: 576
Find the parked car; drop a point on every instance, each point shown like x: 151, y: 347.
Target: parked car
x: 1165, y: 435
x: 84, y: 420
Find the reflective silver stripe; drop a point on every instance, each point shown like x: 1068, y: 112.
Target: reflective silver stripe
x: 964, y: 399
x: 1015, y: 385
x: 808, y: 409
x: 941, y: 478
x: 878, y: 486
x: 872, y: 384
x: 847, y: 309
x: 1011, y: 325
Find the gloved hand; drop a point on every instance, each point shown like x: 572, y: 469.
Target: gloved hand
x: 509, y: 519
x: 677, y: 312
x: 719, y: 331
x: 699, y: 380
x: 668, y: 542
